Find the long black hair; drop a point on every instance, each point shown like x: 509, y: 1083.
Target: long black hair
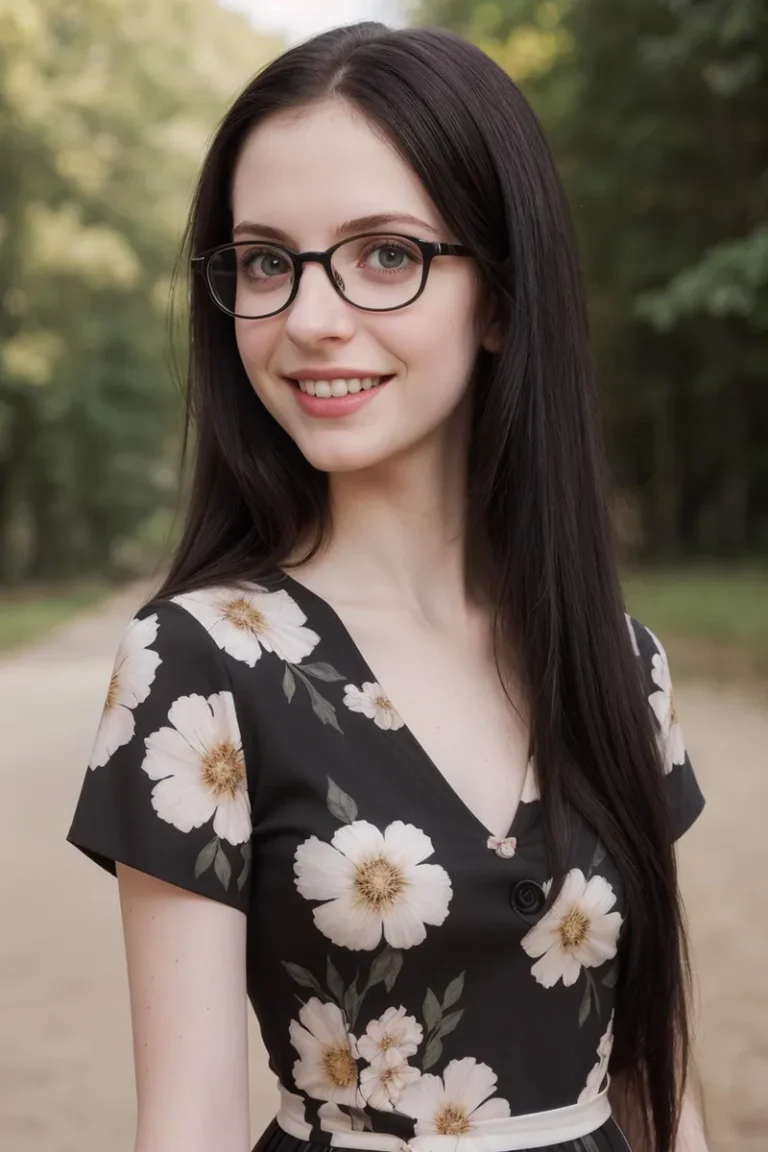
x: 537, y: 484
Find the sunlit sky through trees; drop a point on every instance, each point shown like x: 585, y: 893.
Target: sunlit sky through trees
x: 297, y: 19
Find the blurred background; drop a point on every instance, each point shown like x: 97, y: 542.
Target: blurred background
x: 657, y: 111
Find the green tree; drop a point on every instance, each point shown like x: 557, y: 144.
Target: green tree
x: 656, y: 110
x: 105, y: 109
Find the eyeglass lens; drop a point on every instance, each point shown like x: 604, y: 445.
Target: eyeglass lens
x: 377, y: 272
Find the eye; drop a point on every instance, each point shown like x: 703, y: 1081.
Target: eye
x: 265, y: 263
x: 391, y: 256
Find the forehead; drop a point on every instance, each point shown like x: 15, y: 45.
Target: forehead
x: 306, y: 172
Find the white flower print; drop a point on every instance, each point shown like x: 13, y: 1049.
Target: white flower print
x: 200, y: 768
x: 374, y: 882
x: 243, y: 621
x: 132, y: 677
x: 663, y: 703
x: 632, y: 636
x: 456, y: 1103
x: 393, y: 1031
x: 327, y: 1064
x: 332, y: 1119
x: 382, y: 1083
x: 598, y: 1074
x: 292, y: 1116
x: 374, y: 703
x: 577, y: 932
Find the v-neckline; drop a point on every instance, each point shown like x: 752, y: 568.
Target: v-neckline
x: 403, y: 737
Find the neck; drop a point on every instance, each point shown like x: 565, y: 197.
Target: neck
x: 399, y: 534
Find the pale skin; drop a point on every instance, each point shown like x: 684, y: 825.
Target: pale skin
x: 394, y: 570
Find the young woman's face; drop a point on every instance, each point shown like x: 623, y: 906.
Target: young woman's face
x: 311, y: 179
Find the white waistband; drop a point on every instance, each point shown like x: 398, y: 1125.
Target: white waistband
x: 534, y: 1130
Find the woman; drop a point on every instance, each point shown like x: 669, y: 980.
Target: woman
x: 385, y: 749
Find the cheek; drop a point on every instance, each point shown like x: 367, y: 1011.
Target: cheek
x: 443, y: 344
x: 255, y: 342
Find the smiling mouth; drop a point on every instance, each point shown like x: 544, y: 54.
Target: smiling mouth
x: 326, y: 389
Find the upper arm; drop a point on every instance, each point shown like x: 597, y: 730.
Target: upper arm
x: 186, y: 974
x: 684, y: 797
x: 165, y: 805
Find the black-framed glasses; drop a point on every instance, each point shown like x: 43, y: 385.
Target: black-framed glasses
x: 376, y: 272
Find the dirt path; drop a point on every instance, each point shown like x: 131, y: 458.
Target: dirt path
x: 66, y: 1080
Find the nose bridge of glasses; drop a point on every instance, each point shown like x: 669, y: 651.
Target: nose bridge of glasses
x: 326, y: 262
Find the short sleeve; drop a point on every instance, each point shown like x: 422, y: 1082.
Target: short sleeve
x: 686, y: 801
x: 166, y: 790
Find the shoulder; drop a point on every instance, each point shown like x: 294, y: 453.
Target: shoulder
x: 650, y: 653
x: 240, y: 621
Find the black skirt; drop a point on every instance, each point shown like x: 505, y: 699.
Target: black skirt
x: 609, y: 1138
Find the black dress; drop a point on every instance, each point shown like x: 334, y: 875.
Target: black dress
x: 409, y: 987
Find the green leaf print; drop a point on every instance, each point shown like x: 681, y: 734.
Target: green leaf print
x: 351, y: 1003
x: 334, y: 982
x: 448, y: 1023
x: 222, y: 867
x: 322, y: 671
x: 321, y: 707
x: 586, y: 1004
x: 361, y: 1121
x: 611, y: 977
x: 453, y: 991
x: 432, y: 1054
x: 303, y: 977
x: 289, y: 683
x: 386, y: 967
x: 340, y: 805
x: 246, y: 853
x: 432, y: 1011
x: 205, y: 859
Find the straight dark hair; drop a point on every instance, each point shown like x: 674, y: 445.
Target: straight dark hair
x: 537, y: 483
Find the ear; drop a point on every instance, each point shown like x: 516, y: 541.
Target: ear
x: 491, y: 340
x: 490, y: 326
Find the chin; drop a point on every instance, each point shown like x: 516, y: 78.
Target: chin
x: 334, y: 454
x: 342, y: 460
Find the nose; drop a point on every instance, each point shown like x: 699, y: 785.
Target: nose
x: 318, y: 313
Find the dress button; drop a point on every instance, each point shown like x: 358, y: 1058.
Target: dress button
x: 527, y: 897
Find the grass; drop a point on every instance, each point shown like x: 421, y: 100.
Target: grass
x: 27, y: 614
x: 712, y: 621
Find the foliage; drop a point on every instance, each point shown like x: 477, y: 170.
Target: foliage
x: 105, y: 109
x: 656, y: 110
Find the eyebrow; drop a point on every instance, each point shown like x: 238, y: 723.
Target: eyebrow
x: 372, y: 223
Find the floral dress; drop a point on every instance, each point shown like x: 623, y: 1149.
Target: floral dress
x: 410, y: 988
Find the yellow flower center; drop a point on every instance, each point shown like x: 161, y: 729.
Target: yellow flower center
x: 378, y: 883
x: 241, y: 614
x: 452, y: 1121
x: 573, y: 928
x: 340, y: 1069
x: 386, y: 1042
x: 384, y: 704
x: 112, y: 692
x: 224, y: 769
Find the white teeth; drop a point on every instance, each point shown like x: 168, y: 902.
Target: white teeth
x: 339, y: 387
